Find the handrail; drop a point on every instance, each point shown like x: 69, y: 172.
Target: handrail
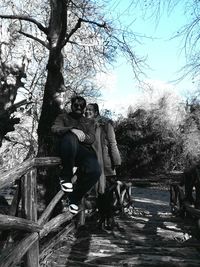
x: 14, y: 255
x: 9, y: 177
x: 26, y: 173
x: 178, y: 202
x: 12, y: 222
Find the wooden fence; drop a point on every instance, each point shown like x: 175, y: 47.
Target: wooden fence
x: 33, y: 229
x: 30, y: 229
x: 178, y: 203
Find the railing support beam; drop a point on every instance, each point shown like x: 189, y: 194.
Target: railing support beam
x: 29, y: 208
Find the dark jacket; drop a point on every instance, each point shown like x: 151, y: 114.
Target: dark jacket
x: 66, y: 121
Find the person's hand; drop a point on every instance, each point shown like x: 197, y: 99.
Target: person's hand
x: 80, y: 134
x: 62, y: 130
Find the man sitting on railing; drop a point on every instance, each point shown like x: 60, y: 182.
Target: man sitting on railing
x: 76, y: 135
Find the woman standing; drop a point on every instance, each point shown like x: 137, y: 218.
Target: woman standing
x: 108, y: 156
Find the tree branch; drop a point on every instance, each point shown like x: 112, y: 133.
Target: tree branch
x: 78, y: 25
x: 26, y: 18
x: 35, y: 38
x: 101, y: 25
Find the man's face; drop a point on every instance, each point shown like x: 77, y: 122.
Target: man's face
x: 78, y: 107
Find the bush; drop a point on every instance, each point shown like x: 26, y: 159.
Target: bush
x: 148, y: 144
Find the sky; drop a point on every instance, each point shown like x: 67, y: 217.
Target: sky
x: 165, y: 57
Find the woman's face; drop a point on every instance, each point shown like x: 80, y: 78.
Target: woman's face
x: 89, y: 112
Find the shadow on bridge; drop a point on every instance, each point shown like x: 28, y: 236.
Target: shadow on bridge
x: 150, y: 236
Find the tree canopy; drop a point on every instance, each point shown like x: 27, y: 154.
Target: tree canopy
x: 62, y: 45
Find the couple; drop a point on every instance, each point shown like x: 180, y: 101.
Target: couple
x: 85, y: 142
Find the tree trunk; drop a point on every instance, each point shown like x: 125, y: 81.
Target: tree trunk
x: 55, y: 82
x: 54, y: 86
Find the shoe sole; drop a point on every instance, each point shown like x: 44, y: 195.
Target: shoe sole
x: 73, y: 211
x: 67, y: 190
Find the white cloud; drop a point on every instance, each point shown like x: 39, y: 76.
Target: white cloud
x: 119, y: 105
x: 107, y: 81
x: 118, y: 102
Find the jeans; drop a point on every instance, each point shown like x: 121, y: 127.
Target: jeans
x: 73, y: 153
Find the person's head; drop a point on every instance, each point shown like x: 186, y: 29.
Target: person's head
x: 92, y: 110
x: 78, y: 104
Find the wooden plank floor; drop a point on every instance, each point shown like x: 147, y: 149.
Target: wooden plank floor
x: 149, y: 235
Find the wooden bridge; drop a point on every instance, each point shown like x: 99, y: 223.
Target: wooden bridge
x: 146, y: 234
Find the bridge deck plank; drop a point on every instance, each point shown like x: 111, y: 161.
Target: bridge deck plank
x: 148, y: 236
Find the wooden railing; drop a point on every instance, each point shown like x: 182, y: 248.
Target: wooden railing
x: 33, y: 229
x: 23, y: 213
x: 179, y: 204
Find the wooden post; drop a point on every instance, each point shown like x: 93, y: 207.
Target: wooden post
x: 82, y: 213
x: 130, y: 190
x: 16, y: 200
x: 123, y: 196
x: 29, y: 211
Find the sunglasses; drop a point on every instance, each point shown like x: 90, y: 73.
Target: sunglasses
x: 76, y: 105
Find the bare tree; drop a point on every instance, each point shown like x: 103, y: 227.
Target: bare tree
x: 74, y: 41
x: 70, y: 32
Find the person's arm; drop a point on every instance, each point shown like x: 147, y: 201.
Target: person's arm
x: 89, y: 132
x: 112, y: 143
x: 79, y: 134
x: 59, y: 127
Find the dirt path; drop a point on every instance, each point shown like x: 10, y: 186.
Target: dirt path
x: 148, y: 235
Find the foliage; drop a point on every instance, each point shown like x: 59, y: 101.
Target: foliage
x: 190, y: 130
x: 21, y: 143
x: 10, y: 82
x: 148, y: 143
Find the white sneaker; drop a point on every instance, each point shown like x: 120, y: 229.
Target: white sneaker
x: 66, y: 187
x: 73, y: 208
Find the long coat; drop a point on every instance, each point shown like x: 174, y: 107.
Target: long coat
x: 106, y: 149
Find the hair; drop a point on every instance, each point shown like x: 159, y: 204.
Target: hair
x: 79, y: 98
x: 96, y: 107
